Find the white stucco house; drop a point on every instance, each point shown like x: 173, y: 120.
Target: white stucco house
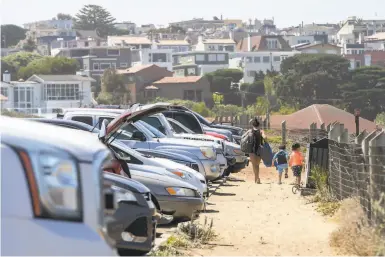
x: 218, y: 44
x: 160, y: 57
x: 45, y: 93
x: 253, y: 62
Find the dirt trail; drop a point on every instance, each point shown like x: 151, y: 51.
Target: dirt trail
x: 265, y: 219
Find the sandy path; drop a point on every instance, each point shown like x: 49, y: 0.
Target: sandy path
x: 265, y: 219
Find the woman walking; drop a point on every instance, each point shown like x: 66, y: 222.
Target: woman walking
x: 255, y: 156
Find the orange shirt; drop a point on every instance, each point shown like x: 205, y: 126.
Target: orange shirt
x: 296, y: 159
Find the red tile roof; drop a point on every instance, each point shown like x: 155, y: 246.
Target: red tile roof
x: 320, y: 113
x: 174, y: 80
x: 134, y: 69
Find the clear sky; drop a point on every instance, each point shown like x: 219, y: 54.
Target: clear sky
x: 285, y: 12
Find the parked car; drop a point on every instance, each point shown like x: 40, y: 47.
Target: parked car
x: 131, y: 222
x: 237, y: 132
x: 47, y: 173
x: 174, y: 196
x: 172, y: 169
x: 232, y: 151
x: 137, y: 136
x: 170, y: 195
x: 187, y: 118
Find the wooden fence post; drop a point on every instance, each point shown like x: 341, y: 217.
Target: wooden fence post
x: 366, y: 170
x: 376, y: 172
x: 283, y: 124
x: 358, y: 140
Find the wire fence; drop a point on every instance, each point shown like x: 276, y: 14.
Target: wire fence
x: 358, y: 169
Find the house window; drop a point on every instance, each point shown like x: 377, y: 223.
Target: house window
x: 123, y: 65
x: 277, y: 58
x: 212, y: 57
x: 61, y: 92
x: 257, y: 59
x: 266, y: 59
x: 113, y: 52
x: 4, y: 91
x: 191, y: 72
x: 159, y: 57
x: 86, y: 44
x: 104, y: 66
x: 200, y: 57
x: 251, y: 73
x: 179, y: 73
x: 229, y: 48
x: 349, y: 51
x: 221, y: 57
x: 358, y: 64
x: 189, y: 95
x: 96, y: 66
x: 113, y: 65
x: 220, y: 48
x: 249, y: 59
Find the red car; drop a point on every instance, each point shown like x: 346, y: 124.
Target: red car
x: 214, y: 134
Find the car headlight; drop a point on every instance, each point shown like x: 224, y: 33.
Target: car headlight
x: 208, y: 152
x: 180, y: 191
x: 179, y: 173
x: 54, y: 184
x: 122, y: 195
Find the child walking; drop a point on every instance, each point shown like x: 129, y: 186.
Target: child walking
x: 296, y: 162
x: 281, y: 158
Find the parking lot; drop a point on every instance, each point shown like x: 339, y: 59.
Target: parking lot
x: 265, y: 219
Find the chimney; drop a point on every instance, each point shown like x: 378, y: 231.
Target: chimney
x: 7, y: 77
x: 249, y: 43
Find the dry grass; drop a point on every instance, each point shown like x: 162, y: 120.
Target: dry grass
x: 174, y: 246
x: 197, y: 233
x: 327, y: 205
x: 189, y: 235
x: 355, y: 236
x: 16, y: 114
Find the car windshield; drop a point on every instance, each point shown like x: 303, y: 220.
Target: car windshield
x: 153, y: 132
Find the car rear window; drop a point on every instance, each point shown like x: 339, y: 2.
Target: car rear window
x: 84, y: 119
x: 187, y: 119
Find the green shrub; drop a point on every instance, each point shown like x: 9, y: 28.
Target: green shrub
x: 17, y: 114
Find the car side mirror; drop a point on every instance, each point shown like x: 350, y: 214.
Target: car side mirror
x: 138, y: 135
x: 103, y: 130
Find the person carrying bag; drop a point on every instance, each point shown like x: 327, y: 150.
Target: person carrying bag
x: 252, y: 143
